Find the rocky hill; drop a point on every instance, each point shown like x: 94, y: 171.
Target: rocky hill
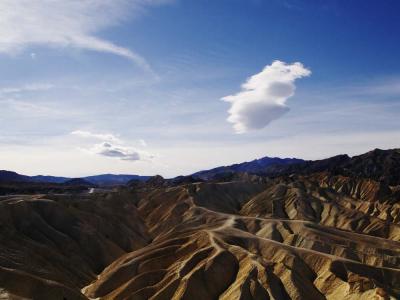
x: 317, y: 230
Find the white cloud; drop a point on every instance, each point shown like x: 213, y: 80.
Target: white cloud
x: 112, y: 146
x: 72, y: 23
x: 263, y: 96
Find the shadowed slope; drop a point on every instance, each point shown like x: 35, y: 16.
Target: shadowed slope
x: 62, y: 244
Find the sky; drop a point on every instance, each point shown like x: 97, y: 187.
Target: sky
x: 171, y: 87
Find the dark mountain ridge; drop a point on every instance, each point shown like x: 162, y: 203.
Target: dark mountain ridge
x: 79, y: 182
x: 48, y: 178
x: 114, y: 179
x: 380, y: 165
x: 252, y: 167
x: 10, y: 176
x: 102, y: 179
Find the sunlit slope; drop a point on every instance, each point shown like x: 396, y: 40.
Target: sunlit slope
x: 291, y: 238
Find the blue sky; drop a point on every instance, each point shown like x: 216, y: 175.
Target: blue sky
x: 135, y: 86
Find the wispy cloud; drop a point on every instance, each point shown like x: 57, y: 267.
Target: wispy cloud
x: 26, y: 108
x: 142, y: 143
x: 112, y: 146
x: 72, y: 23
x: 98, y: 136
x: 34, y: 87
x: 263, y: 96
x: 386, y: 87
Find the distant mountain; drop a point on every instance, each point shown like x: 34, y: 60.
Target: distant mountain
x: 101, y: 180
x: 111, y: 179
x: 379, y: 165
x: 331, y: 164
x: 9, y: 176
x: 79, y: 182
x: 51, y: 179
x: 253, y: 167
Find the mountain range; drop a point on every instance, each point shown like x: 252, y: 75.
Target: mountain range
x: 377, y: 163
x: 263, y: 165
x: 255, y: 166
x: 103, y: 179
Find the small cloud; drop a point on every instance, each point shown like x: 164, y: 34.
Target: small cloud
x: 264, y: 95
x: 33, y: 55
x: 112, y: 146
x: 123, y: 153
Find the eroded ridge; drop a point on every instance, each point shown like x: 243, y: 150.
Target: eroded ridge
x: 276, y: 240
x: 315, y: 231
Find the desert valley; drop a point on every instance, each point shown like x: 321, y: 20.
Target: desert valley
x: 267, y: 229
